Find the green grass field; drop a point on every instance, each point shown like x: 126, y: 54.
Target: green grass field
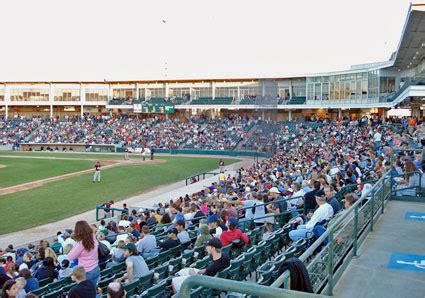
x: 21, y: 170
x: 64, y: 198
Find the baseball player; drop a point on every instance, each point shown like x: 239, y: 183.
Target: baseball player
x: 97, y: 169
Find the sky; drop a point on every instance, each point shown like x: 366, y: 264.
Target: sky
x: 91, y: 40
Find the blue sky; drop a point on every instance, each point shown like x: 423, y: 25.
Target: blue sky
x: 126, y: 40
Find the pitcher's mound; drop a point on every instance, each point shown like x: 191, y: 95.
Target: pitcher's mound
x: 2, y: 166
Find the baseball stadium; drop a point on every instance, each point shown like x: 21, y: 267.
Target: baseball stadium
x: 260, y: 186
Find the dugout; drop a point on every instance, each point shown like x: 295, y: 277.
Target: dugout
x: 61, y: 147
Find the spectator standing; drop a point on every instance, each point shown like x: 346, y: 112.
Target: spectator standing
x: 86, y: 251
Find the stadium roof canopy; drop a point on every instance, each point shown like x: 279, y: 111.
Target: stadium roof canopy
x: 410, y: 53
x: 411, y: 47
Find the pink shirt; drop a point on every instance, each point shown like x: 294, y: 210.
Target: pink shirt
x: 88, y: 259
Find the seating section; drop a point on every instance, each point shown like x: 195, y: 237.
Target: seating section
x: 212, y: 101
x: 297, y: 100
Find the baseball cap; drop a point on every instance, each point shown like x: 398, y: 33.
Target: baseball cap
x: 172, y: 229
x: 212, y: 218
x: 130, y: 246
x: 274, y: 190
x: 233, y: 222
x: 214, y: 242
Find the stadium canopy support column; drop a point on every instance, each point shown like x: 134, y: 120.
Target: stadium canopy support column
x: 384, y: 115
x: 82, y: 111
x: 7, y: 112
x: 339, y: 114
x: 290, y: 115
x: 51, y: 111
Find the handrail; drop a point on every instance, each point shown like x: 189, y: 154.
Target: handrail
x: 250, y: 288
x: 199, y: 175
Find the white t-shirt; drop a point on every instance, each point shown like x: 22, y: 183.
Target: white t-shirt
x: 297, y: 196
x: 260, y: 211
x: 324, y: 212
x: 68, y: 241
x: 377, y: 137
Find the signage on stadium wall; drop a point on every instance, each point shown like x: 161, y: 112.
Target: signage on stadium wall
x: 156, y: 108
x: 137, y: 108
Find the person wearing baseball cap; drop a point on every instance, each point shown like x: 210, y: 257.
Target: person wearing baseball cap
x: 214, y: 226
x: 136, y: 265
x: 233, y: 233
x: 220, y: 262
x: 172, y: 240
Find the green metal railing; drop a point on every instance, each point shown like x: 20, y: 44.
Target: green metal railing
x: 112, y: 210
x: 198, y: 177
x: 239, y: 287
x: 344, y: 234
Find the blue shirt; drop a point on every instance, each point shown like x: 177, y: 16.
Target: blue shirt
x: 32, y: 284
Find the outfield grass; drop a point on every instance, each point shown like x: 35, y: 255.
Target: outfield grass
x: 61, y: 199
x: 21, y: 170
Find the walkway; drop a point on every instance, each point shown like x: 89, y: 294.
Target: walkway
x: 160, y: 194
x: 369, y: 275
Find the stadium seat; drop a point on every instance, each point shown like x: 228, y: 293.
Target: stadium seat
x: 58, y: 284
x: 248, y: 262
x: 156, y: 290
x: 118, y: 268
x: 163, y: 257
x: 235, y: 268
x: 226, y: 249
x: 103, y: 283
x: 107, y: 271
x: 300, y: 246
x: 187, y: 257
x: 146, y: 281
x: 41, y: 290
x: 265, y: 274
x: 289, y: 252
x: 174, y: 252
x: 131, y: 288
x: 152, y: 262
x: 45, y: 281
x: 160, y: 272
x: 196, y: 292
x: 54, y: 294
x: 199, y: 252
x: 174, y: 265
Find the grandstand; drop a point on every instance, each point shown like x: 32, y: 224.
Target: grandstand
x: 333, y: 203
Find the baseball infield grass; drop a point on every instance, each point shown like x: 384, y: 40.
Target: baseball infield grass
x: 22, y: 170
x: 61, y: 199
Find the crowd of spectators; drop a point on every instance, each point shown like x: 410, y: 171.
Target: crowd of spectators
x: 302, y: 178
x: 128, y: 131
